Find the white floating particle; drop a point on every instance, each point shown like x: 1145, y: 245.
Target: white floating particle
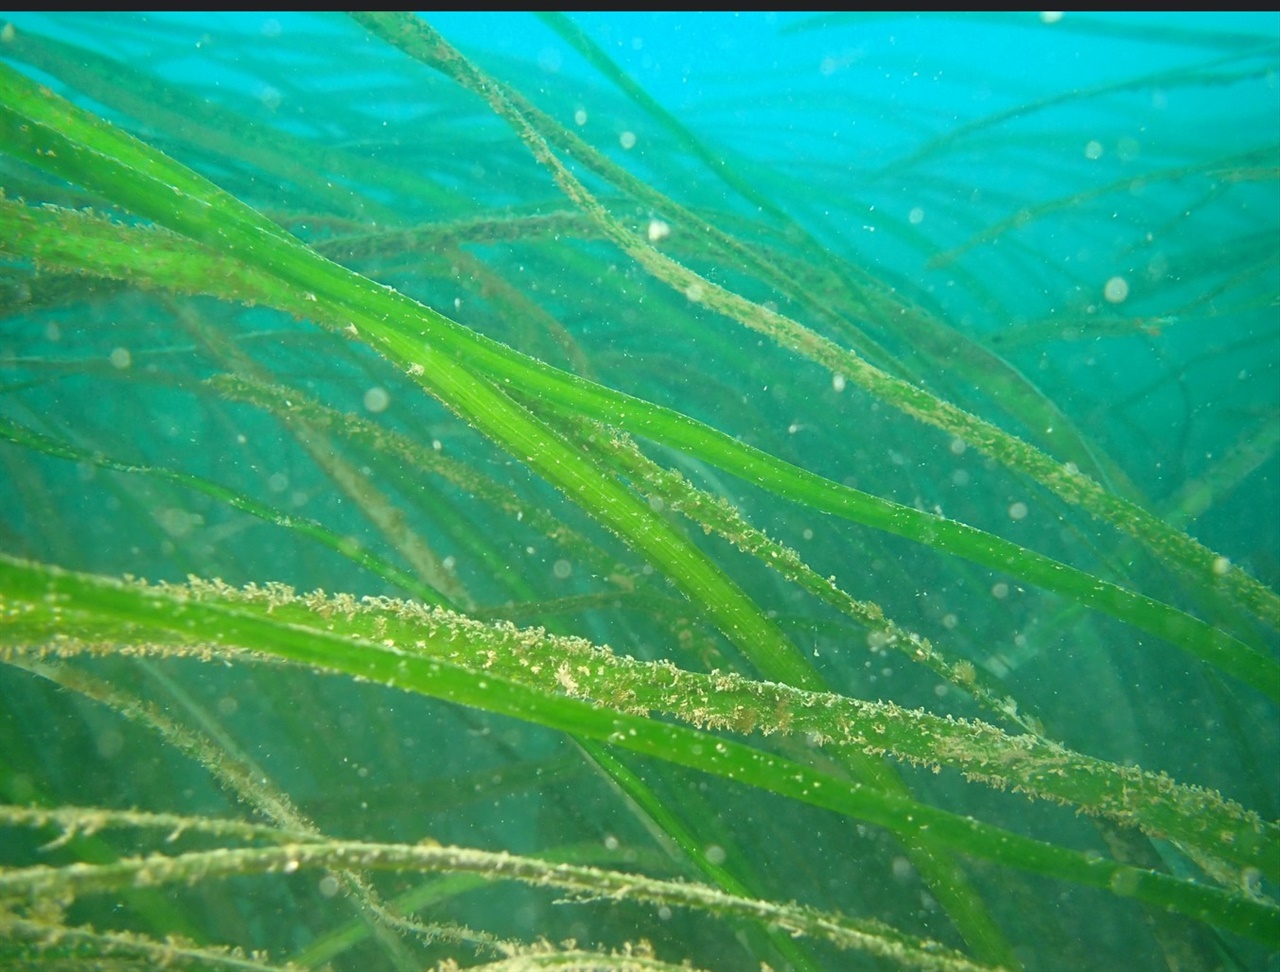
x: 1116, y: 290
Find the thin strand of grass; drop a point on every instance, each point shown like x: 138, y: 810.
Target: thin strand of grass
x: 580, y: 41
x: 434, y: 891
x: 945, y: 353
x: 221, y: 131
x: 630, y: 958
x: 1203, y: 74
x: 665, y: 819
x: 393, y: 445
x: 233, y: 770
x: 153, y: 913
x: 370, y: 500
x: 513, y: 305
x: 87, y: 821
x: 1197, y: 496
x: 348, y: 547
x: 321, y: 952
x: 72, y: 947
x: 71, y: 241
x: 31, y: 589
x: 432, y: 237
x: 1236, y: 168
x: 586, y: 883
x: 1145, y: 33
x: 413, y: 36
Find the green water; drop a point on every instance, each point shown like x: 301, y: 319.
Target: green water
x: 615, y: 492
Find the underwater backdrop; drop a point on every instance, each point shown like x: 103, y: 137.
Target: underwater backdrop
x: 640, y: 492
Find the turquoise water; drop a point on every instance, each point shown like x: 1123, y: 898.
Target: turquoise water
x: 1067, y: 227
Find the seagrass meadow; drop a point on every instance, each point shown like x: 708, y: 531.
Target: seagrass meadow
x: 640, y: 492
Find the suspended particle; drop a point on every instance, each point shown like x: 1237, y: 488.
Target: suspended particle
x: 1116, y: 290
